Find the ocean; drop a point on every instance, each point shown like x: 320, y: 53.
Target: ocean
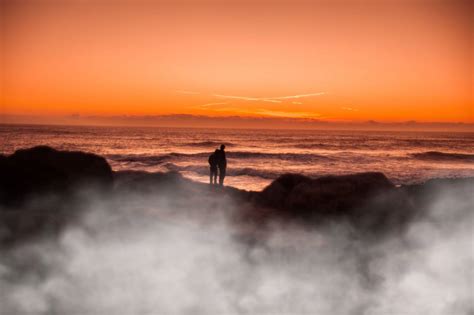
x: 256, y: 157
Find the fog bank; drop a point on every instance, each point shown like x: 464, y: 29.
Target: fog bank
x: 136, y: 251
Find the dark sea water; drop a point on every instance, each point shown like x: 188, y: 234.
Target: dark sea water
x: 256, y: 157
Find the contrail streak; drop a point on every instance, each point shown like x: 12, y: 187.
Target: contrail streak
x: 296, y: 96
x: 213, y: 104
x: 277, y: 99
x: 246, y: 98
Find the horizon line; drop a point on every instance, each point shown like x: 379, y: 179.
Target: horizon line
x: 233, y: 122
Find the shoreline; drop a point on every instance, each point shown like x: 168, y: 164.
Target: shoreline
x: 67, y: 218
x: 44, y: 190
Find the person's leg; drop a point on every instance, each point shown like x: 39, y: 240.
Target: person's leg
x: 221, y: 176
x: 215, y: 176
x: 211, y: 172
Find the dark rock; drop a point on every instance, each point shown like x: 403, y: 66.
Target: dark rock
x: 37, y: 190
x: 275, y: 195
x: 366, y: 200
x: 328, y: 193
x: 39, y: 170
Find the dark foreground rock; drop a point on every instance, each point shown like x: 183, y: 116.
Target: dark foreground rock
x: 367, y: 201
x: 42, y: 190
x: 37, y: 186
x: 31, y: 172
x: 328, y: 195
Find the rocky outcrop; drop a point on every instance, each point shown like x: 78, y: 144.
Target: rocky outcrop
x: 31, y: 172
x: 368, y: 202
x: 328, y: 194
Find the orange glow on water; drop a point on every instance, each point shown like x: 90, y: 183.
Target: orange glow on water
x: 342, y: 61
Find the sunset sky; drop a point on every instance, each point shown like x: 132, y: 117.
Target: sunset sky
x: 343, y: 61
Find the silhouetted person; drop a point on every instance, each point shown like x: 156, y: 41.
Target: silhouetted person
x: 213, y: 167
x: 221, y: 164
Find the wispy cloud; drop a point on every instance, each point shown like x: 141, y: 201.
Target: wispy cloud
x: 213, y: 104
x: 247, y: 98
x: 209, y: 106
x: 288, y: 97
x: 277, y: 99
x: 263, y: 112
x: 287, y: 114
x: 218, y: 106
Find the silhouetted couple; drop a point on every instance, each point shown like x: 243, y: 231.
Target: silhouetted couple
x: 217, y: 160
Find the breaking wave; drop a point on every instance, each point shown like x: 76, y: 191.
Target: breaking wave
x: 239, y: 171
x: 136, y: 158
x: 207, y: 144
x: 443, y: 156
x: 157, y: 159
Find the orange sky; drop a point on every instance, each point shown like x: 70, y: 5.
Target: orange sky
x: 351, y: 60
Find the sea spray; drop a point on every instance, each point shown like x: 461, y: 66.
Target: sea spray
x: 141, y: 252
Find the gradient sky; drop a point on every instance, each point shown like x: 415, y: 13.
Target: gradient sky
x: 330, y: 60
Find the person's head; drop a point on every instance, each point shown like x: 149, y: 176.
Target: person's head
x: 217, y: 151
x: 222, y: 146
